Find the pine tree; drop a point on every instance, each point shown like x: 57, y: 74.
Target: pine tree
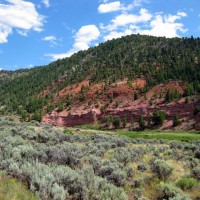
x: 141, y: 122
x: 176, y: 120
x: 124, y: 122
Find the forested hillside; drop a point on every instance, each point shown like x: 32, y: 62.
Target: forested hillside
x: 154, y: 59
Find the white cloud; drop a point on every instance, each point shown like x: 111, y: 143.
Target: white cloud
x: 148, y: 24
x: 1, y: 69
x: 109, y: 7
x: 181, y: 14
x: 165, y: 26
x: 115, y: 34
x: 49, y: 38
x: 83, y: 38
x: 87, y: 34
x: 117, y: 6
x: 18, y: 14
x: 4, y: 33
x: 46, y: 3
x: 52, y: 39
x: 128, y: 19
x: 22, y: 32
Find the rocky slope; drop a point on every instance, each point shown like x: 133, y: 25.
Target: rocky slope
x: 117, y: 100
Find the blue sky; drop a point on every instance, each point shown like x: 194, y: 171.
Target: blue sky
x: 36, y: 32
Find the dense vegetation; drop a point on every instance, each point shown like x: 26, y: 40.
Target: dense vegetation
x: 157, y: 59
x: 57, y: 164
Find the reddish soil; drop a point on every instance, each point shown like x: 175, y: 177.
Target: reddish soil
x: 98, y: 104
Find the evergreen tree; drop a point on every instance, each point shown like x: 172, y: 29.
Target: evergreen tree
x: 176, y: 120
x: 141, y: 122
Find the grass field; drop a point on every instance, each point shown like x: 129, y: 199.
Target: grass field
x: 146, y: 134
x: 164, y: 135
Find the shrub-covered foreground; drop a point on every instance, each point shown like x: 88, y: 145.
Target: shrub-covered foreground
x: 57, y: 165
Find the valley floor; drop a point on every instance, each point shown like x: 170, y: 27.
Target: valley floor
x: 80, y: 163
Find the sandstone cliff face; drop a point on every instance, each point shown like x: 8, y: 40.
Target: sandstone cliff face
x: 63, y: 119
x: 98, y: 105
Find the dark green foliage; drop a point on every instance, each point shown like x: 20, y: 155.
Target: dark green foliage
x: 141, y: 122
x: 109, y: 121
x: 170, y: 96
x: 189, y: 90
x: 116, y: 122
x: 124, y: 122
x: 148, y: 120
x: 135, y: 95
x: 196, y: 110
x: 67, y: 131
x: 176, y: 120
x: 68, y: 100
x: 159, y: 118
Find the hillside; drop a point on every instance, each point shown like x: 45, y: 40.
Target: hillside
x: 135, y: 78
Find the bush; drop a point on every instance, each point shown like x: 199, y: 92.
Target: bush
x: 124, y: 156
x: 116, y: 122
x: 197, y: 154
x: 169, y: 191
x: 196, y: 173
x: 161, y: 169
x: 112, y: 192
x: 67, y: 131
x: 187, y: 183
x: 118, y: 178
x: 142, y: 167
x: 58, y: 192
x: 138, y: 183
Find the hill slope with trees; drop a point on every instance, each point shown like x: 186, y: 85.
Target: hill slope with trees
x: 107, y: 79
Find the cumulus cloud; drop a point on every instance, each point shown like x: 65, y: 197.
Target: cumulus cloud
x: 165, y: 26
x: 46, y: 3
x: 128, y: 19
x: 145, y: 23
x: 21, y: 15
x: 83, y: 38
x: 117, y: 6
x: 109, y: 7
